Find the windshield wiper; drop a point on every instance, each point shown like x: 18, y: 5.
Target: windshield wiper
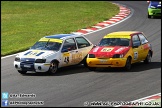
x: 47, y: 43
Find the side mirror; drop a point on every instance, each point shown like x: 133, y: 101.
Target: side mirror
x: 135, y: 46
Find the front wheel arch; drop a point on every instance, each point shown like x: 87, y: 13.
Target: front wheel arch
x: 57, y: 63
x: 128, y: 63
x: 148, y: 58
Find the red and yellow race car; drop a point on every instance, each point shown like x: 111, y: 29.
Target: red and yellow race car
x: 120, y: 49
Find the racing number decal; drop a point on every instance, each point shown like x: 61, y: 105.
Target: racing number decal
x: 33, y: 53
x: 107, y: 49
x: 66, y: 60
x: 75, y: 57
x: 135, y: 55
x: 66, y: 57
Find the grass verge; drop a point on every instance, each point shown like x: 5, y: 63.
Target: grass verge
x: 25, y: 22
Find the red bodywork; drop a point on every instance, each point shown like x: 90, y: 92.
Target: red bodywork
x: 108, y: 51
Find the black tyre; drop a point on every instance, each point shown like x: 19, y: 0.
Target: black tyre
x: 148, y: 58
x: 22, y: 72
x: 128, y: 64
x: 53, y: 67
x: 149, y: 16
x: 92, y: 68
x: 85, y: 62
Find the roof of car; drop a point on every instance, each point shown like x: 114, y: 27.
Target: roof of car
x: 123, y: 33
x: 59, y: 36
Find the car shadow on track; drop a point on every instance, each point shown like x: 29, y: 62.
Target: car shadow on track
x: 156, y: 17
x: 62, y: 71
x: 137, y: 67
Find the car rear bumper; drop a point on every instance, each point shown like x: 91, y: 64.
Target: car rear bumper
x: 111, y: 62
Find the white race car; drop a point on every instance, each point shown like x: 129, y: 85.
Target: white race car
x: 53, y: 52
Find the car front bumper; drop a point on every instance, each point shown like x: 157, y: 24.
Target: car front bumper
x: 154, y: 12
x: 110, y: 62
x: 36, y: 67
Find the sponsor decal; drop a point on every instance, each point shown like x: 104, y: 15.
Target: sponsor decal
x: 116, y: 36
x: 95, y: 49
x: 33, y: 53
x: 66, y: 54
x: 107, y: 49
x: 146, y: 46
x: 120, y: 49
x: 51, y: 40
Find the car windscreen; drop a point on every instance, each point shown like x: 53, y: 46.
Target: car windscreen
x: 155, y: 2
x: 114, y: 42
x: 46, y: 45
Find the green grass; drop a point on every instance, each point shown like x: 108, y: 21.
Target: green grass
x: 25, y: 22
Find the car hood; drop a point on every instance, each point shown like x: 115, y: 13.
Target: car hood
x: 36, y: 54
x: 108, y: 51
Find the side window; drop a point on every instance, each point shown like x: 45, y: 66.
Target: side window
x: 69, y: 45
x: 82, y: 42
x: 136, y: 40
x: 143, y: 39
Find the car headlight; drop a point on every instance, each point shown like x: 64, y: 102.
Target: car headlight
x: 91, y: 56
x: 118, y: 56
x: 40, y: 60
x: 152, y: 6
x: 17, y: 59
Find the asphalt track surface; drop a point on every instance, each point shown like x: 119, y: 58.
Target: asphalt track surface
x: 75, y: 85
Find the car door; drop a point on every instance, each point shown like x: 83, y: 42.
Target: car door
x: 137, y: 49
x: 68, y: 52
x: 84, y: 46
x: 144, y: 45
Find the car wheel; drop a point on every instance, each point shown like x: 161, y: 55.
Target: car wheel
x: 92, y: 68
x: 128, y: 64
x: 85, y: 62
x: 148, y: 58
x: 22, y: 72
x: 149, y: 16
x: 53, y: 67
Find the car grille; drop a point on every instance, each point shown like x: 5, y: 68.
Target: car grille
x: 27, y: 60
